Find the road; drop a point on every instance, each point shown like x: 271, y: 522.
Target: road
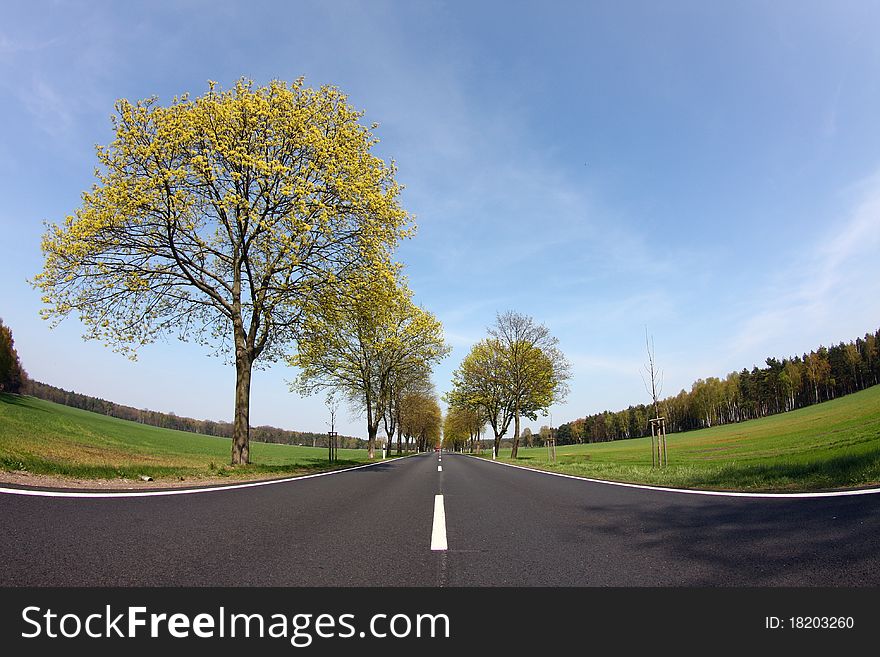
x: 503, y: 526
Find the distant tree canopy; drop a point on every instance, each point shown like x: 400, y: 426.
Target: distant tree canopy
x: 461, y: 428
x: 518, y: 371
x: 403, y: 383
x: 782, y: 385
x: 12, y: 375
x: 421, y: 420
x: 222, y: 219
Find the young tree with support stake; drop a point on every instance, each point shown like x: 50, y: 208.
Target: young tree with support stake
x: 222, y: 219
x: 660, y: 454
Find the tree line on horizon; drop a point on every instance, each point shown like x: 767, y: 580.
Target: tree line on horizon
x: 780, y: 386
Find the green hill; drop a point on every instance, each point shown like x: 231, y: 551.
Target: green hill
x: 830, y: 445
x: 46, y: 438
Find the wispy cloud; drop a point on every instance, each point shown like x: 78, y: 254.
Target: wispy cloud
x: 832, y: 291
x: 10, y: 46
x: 50, y: 110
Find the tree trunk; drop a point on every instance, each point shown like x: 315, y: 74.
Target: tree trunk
x: 372, y: 429
x: 371, y: 444
x: 515, y: 447
x: 241, y: 423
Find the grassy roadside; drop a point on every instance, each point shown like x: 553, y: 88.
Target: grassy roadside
x: 49, y: 439
x: 831, y: 445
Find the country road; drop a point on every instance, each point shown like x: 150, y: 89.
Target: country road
x: 500, y: 526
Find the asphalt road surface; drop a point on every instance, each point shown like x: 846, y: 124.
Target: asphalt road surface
x: 500, y: 526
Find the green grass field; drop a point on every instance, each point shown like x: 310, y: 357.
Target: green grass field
x: 46, y: 438
x: 831, y: 445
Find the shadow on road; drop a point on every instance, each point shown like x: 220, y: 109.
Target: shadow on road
x: 807, y: 542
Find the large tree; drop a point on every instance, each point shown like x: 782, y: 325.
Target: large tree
x: 221, y: 219
x: 480, y: 383
x: 537, y: 372
x: 367, y: 339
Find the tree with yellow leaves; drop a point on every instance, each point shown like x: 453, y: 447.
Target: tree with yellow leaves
x: 461, y: 428
x: 537, y: 372
x: 368, y: 338
x: 518, y: 371
x: 224, y: 219
x: 421, y: 419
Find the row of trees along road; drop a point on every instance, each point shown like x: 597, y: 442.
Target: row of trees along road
x: 420, y: 419
x: 517, y: 371
x: 462, y: 428
x: 375, y: 347
x: 781, y: 385
x: 234, y: 219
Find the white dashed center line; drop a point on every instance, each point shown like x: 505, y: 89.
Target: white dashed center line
x: 438, y: 533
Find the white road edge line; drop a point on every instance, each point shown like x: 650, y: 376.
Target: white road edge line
x: 438, y: 531
x: 716, y: 493
x: 183, y: 491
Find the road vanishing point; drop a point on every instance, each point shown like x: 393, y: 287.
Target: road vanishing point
x: 437, y: 520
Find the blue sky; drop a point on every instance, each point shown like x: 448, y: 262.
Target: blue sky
x: 709, y: 170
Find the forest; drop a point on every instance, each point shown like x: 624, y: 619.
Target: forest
x: 779, y: 386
